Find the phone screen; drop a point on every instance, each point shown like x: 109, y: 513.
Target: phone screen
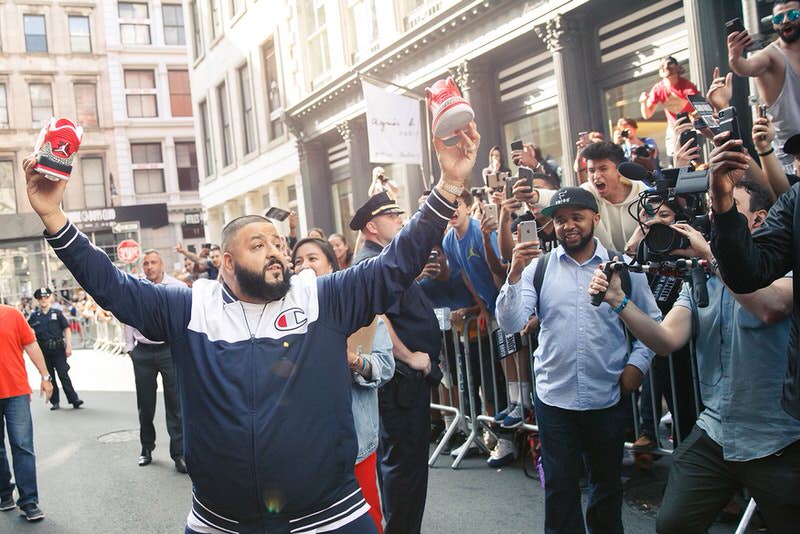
x: 705, y: 111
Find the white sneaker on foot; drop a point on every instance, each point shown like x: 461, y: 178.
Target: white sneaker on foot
x: 504, y: 454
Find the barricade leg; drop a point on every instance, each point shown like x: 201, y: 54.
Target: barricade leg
x: 748, y: 515
x: 453, y: 407
x: 473, y: 414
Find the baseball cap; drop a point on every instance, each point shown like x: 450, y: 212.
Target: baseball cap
x: 792, y: 145
x: 575, y: 197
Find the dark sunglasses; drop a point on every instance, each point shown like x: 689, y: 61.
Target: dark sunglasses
x: 791, y: 16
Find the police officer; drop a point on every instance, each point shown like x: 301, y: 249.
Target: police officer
x: 55, y: 339
x: 404, y: 401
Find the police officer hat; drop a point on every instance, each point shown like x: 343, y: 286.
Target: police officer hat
x: 42, y: 292
x: 380, y: 204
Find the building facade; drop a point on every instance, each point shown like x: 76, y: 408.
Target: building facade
x: 537, y: 70
x: 135, y: 175
x: 151, y: 105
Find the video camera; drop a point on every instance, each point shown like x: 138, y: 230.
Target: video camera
x: 683, y: 189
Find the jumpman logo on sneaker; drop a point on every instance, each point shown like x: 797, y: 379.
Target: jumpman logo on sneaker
x: 63, y: 149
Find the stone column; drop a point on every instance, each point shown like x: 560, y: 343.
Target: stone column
x: 478, y: 89
x: 253, y: 204
x: 563, y: 37
x: 316, y: 185
x: 354, y: 134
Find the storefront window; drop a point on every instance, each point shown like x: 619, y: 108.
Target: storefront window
x: 8, y: 193
x: 623, y: 101
x: 541, y: 129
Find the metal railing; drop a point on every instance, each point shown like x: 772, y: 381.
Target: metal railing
x: 473, y: 421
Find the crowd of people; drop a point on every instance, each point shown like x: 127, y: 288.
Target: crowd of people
x: 268, y: 343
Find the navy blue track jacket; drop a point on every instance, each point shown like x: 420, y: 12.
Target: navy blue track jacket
x: 268, y: 429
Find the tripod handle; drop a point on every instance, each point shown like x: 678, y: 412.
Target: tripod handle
x: 699, y: 287
x: 608, y: 270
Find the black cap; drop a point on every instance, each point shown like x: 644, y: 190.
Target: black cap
x: 576, y: 197
x: 42, y: 292
x: 380, y: 204
x: 792, y: 145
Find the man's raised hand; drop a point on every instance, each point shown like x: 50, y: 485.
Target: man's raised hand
x: 457, y: 161
x: 45, y: 196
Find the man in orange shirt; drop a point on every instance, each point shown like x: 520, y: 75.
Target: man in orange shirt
x: 15, y: 412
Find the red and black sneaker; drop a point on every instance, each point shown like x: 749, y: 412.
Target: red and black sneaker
x: 449, y: 109
x: 56, y: 147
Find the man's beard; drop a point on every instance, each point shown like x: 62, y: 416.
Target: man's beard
x: 791, y: 37
x: 255, y: 284
x: 581, y: 244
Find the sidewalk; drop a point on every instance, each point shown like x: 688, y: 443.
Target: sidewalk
x: 89, y: 481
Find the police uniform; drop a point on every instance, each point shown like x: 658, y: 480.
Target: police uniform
x: 49, y: 328
x: 404, y: 401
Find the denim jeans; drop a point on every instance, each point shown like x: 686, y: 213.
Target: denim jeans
x: 15, y: 416
x: 570, y: 438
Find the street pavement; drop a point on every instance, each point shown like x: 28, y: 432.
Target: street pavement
x: 89, y: 481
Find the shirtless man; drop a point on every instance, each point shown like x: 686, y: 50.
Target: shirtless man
x: 776, y: 70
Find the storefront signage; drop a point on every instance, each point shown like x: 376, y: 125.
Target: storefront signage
x: 146, y: 215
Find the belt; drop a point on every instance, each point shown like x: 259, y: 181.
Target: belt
x: 152, y: 347
x: 52, y: 344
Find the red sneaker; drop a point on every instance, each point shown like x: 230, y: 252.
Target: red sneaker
x: 56, y: 147
x: 449, y: 109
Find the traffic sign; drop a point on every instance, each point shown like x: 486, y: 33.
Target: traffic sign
x: 128, y: 251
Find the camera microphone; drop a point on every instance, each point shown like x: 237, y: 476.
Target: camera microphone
x: 634, y: 171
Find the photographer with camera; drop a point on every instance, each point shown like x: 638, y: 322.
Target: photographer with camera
x: 641, y: 150
x: 665, y: 289
x: 742, y: 438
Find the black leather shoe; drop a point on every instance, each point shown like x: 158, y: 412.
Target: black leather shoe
x: 77, y: 404
x: 146, y: 457
x: 180, y: 465
x: 54, y: 407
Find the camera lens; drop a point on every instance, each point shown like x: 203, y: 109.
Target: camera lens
x: 625, y: 133
x: 662, y: 239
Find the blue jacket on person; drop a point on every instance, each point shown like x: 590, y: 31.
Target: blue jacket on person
x: 269, y: 439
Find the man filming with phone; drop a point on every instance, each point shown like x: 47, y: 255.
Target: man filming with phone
x: 742, y: 438
x: 776, y: 70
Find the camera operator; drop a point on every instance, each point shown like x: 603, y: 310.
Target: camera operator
x: 583, y: 365
x: 742, y: 438
x: 775, y: 69
x: 671, y: 91
x: 612, y: 192
x: 688, y: 153
x: 641, y: 150
x: 665, y: 290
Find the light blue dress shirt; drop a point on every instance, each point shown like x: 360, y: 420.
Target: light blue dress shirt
x: 582, y: 348
x: 741, y: 364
